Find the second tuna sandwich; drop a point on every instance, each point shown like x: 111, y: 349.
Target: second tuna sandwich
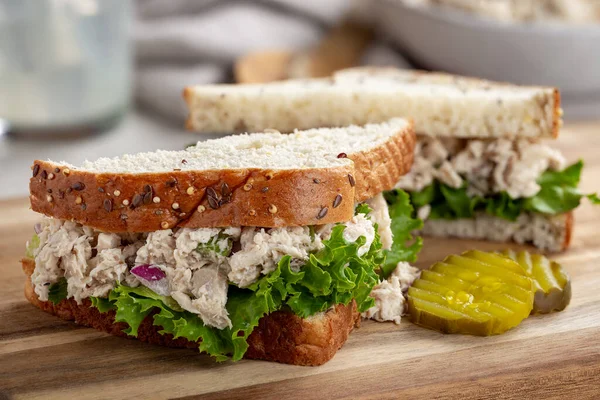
x: 481, y: 168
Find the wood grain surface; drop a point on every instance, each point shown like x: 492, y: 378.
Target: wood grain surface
x: 552, y: 356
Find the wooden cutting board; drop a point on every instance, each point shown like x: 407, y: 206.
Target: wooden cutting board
x: 552, y: 356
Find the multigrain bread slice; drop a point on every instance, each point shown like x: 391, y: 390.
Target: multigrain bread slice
x: 281, y: 336
x: 441, y: 104
x: 549, y: 233
x: 268, y: 180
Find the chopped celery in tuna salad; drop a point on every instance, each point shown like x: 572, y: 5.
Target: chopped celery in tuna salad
x: 215, y: 284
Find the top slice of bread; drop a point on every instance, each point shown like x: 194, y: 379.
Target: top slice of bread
x: 268, y: 179
x: 440, y: 104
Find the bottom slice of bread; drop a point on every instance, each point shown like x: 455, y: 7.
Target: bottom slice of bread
x: 281, y: 336
x: 549, y: 233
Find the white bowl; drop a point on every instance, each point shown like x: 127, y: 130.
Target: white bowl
x: 542, y: 53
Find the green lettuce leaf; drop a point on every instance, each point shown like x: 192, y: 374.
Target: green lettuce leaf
x: 422, y: 198
x: 57, y: 291
x: 334, y: 275
x: 593, y: 198
x: 503, y: 206
x: 569, y: 176
x: 403, y: 223
x: 362, y: 208
x: 461, y: 205
x: 554, y: 200
x: 102, y: 304
x: 558, y: 194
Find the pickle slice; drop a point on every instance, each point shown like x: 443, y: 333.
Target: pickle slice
x: 474, y: 293
x: 552, y: 284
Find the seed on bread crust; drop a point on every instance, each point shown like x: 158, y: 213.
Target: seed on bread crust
x: 117, y: 193
x: 273, y: 209
x: 78, y: 186
x: 156, y: 200
x: 337, y: 201
x: 252, y: 213
x: 50, y: 176
x: 190, y: 190
x: 213, y: 203
x: 351, y: 180
x: 248, y: 187
x: 316, y: 180
x: 175, y: 206
x: 66, y: 171
x: 265, y: 189
x: 49, y: 198
x: 137, y: 200
x: 171, y: 182
x: 101, y: 190
x: 36, y: 170
x: 44, y: 174
x: 322, y: 213
x: 210, y: 192
x: 125, y: 202
x: 148, y: 198
x: 56, y: 170
x: 164, y: 224
x: 78, y: 200
x: 108, y: 205
x: 342, y: 155
x: 201, y: 208
x: 225, y: 191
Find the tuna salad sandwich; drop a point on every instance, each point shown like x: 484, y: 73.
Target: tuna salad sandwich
x: 482, y: 168
x: 263, y: 246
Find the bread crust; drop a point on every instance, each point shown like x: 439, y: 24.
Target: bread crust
x: 125, y: 202
x: 281, y: 336
x: 569, y: 223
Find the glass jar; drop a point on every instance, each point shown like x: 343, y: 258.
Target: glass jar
x: 65, y: 65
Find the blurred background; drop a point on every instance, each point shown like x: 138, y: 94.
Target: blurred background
x: 82, y: 79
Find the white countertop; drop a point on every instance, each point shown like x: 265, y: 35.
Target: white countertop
x: 136, y: 133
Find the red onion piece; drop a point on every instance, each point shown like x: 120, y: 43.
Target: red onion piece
x: 153, y: 278
x: 148, y: 272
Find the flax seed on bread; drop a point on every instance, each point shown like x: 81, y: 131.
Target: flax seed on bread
x: 441, y: 104
x: 268, y: 180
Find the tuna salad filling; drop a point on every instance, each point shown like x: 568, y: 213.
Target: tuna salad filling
x: 458, y: 178
x: 214, y: 284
